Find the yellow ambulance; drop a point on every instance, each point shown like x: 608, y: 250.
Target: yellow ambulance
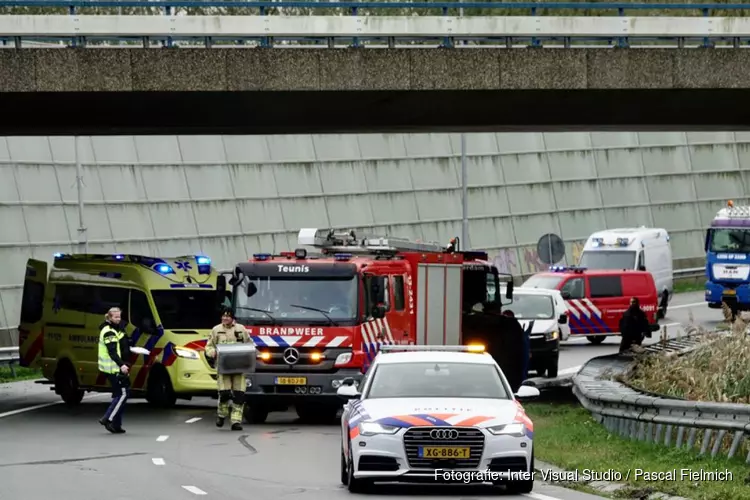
x: 169, y: 304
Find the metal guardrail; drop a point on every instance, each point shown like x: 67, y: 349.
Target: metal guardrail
x: 606, y: 31
x: 671, y: 422
x: 9, y: 356
x: 692, y: 272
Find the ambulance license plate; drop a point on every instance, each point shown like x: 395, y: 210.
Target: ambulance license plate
x: 291, y: 381
x: 444, y: 452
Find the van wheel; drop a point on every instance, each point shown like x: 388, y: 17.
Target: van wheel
x: 159, y: 391
x: 662, y: 313
x: 66, y: 383
x: 552, y: 368
x: 596, y: 339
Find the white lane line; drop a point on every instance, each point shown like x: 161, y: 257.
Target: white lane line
x: 539, y: 496
x: 193, y: 420
x: 198, y: 491
x: 162, y: 438
x: 683, y: 306
x: 39, y: 407
x: 158, y: 461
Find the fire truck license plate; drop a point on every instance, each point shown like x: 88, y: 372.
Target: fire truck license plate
x: 443, y: 452
x: 291, y: 381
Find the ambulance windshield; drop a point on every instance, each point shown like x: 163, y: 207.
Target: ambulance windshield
x: 279, y: 295
x: 186, y: 309
x: 607, y: 259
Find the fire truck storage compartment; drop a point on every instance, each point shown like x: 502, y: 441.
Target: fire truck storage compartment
x: 439, y: 304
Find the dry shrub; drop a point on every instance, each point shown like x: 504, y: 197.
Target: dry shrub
x: 717, y: 371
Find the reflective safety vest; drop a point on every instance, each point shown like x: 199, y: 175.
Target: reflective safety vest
x: 106, y: 363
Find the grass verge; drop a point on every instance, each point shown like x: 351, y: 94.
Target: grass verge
x: 567, y: 436
x: 21, y: 374
x: 686, y: 286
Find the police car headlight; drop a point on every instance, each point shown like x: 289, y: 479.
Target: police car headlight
x: 516, y: 430
x: 184, y: 352
x: 373, y: 428
x: 552, y: 335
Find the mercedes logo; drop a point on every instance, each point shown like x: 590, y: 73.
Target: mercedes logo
x: 444, y: 434
x: 291, y: 355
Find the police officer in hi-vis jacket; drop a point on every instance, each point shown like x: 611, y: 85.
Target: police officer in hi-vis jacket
x: 231, y: 387
x: 114, y: 350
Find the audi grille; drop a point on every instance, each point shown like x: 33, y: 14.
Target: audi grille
x: 441, y: 436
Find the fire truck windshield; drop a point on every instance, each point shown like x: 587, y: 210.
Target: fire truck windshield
x: 295, y: 299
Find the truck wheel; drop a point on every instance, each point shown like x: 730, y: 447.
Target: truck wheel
x: 159, y: 391
x: 662, y: 313
x: 552, y: 368
x: 317, y: 413
x: 596, y: 339
x: 66, y: 383
x: 255, y: 414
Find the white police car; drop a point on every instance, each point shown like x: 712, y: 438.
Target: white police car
x: 435, y: 413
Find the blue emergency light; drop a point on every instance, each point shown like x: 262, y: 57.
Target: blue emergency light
x: 59, y: 255
x: 261, y: 256
x: 165, y: 269
x: 119, y: 257
x: 598, y: 242
x: 342, y: 256
x: 569, y: 269
x: 623, y: 242
x: 202, y: 260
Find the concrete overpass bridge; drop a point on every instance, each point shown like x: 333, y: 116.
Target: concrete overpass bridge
x: 368, y: 73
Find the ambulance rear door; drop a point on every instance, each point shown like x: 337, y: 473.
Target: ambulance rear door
x: 31, y: 324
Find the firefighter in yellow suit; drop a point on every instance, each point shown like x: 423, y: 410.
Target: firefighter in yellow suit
x: 231, y: 387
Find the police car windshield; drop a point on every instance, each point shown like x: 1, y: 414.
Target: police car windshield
x: 277, y: 295
x: 436, y: 380
x: 730, y: 240
x: 545, y: 281
x: 186, y: 309
x: 608, y: 259
x: 527, y: 306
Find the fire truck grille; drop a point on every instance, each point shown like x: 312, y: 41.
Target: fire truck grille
x: 467, y: 438
x: 305, y: 363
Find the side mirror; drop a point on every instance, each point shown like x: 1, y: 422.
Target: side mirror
x: 527, y: 392
x: 348, y: 381
x: 565, y: 295
x: 251, y: 289
x: 348, y: 391
x: 563, y: 319
x: 655, y: 327
x: 509, y: 290
x: 378, y: 312
x: 641, y: 268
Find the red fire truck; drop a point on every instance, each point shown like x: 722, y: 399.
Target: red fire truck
x: 318, y: 318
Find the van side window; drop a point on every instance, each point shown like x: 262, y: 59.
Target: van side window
x: 74, y: 298
x: 108, y: 297
x: 573, y: 289
x: 398, y: 293
x: 140, y: 310
x: 32, y: 304
x: 605, y: 286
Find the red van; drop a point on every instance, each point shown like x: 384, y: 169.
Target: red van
x: 596, y: 298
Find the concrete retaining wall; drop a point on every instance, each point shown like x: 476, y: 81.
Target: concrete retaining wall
x: 231, y: 196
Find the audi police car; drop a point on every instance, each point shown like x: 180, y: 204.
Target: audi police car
x: 435, y: 413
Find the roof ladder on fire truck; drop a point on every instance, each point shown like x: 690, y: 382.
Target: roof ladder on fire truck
x: 348, y: 242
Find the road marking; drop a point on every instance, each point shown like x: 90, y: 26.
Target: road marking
x: 198, y: 491
x: 39, y: 407
x: 158, y: 461
x: 683, y: 306
x: 162, y: 438
x: 539, y: 496
x: 193, y: 420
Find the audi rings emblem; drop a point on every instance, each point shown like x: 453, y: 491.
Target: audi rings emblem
x: 291, y: 356
x: 444, y: 434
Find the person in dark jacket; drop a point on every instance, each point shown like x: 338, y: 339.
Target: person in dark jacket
x: 114, y: 350
x: 634, y: 325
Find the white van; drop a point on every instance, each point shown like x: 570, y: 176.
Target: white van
x: 644, y: 249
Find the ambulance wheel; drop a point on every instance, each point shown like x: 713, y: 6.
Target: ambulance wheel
x: 596, y: 339
x: 344, y: 470
x: 159, y: 391
x: 66, y: 383
x: 662, y: 313
x: 255, y: 415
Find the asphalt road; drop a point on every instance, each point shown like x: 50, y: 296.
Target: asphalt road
x: 49, y: 450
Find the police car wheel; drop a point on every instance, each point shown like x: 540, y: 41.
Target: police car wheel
x: 355, y: 485
x: 596, y: 339
x: 344, y: 470
x: 523, y: 486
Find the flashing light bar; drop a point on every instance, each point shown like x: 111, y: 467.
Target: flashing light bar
x: 202, y: 260
x: 569, y: 269
x: 433, y: 348
x: 164, y: 269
